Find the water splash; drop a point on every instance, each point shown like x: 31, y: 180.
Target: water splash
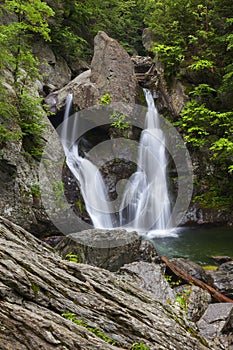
x: 91, y: 184
x: 145, y: 204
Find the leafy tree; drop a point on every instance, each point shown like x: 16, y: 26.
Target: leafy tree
x: 28, y: 19
x: 194, y: 41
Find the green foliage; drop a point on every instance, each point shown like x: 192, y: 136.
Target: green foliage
x: 200, y: 64
x: 170, y: 56
x: 105, y: 100
x: 172, y: 282
x: 31, y: 19
x: 139, y: 346
x: 96, y: 331
x: 73, y: 258
x: 119, y: 121
x: 35, y: 190
x: 182, y: 298
x: 77, y: 22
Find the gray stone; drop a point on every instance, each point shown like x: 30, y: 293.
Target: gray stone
x: 149, y: 277
x: 54, y: 70
x: 223, y: 279
x: 109, y: 249
x: 111, y: 72
x: 37, y: 287
x: 216, y: 319
x: 192, y: 269
x: 197, y: 300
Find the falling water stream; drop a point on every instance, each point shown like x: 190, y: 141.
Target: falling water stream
x: 145, y: 203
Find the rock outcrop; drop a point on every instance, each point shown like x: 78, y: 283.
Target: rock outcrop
x: 111, y: 72
x: 40, y: 295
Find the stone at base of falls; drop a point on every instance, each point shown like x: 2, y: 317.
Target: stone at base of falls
x: 108, y: 249
x: 37, y: 287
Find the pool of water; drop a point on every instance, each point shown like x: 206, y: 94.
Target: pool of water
x: 196, y: 244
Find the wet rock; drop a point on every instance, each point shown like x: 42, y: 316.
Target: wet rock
x: 37, y: 287
x: 223, y: 279
x: 221, y: 259
x: 149, y: 277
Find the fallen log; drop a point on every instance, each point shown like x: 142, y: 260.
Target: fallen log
x: 193, y: 280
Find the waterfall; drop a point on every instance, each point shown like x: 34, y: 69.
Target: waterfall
x: 145, y: 203
x: 91, y: 184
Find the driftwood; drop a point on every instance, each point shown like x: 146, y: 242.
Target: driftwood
x: 193, y: 280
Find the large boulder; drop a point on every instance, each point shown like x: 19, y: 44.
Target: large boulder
x: 49, y: 303
x: 109, y: 249
x: 111, y: 72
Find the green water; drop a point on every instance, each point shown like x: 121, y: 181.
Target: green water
x: 196, y: 244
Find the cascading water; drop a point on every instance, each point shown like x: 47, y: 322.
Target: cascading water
x: 88, y: 175
x: 146, y: 200
x: 145, y: 204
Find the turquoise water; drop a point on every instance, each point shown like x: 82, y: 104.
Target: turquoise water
x: 196, y: 244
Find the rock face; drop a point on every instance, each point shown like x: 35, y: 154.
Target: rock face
x: 54, y: 70
x: 111, y: 72
x: 37, y: 288
x: 19, y: 177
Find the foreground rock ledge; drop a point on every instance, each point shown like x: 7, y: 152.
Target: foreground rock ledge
x: 37, y: 286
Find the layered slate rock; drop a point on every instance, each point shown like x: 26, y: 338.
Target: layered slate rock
x: 150, y: 278
x: 37, y: 287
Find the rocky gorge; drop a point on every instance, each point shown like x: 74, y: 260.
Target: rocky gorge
x: 104, y: 298
x: 109, y: 67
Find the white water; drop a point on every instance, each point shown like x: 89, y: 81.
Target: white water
x: 145, y: 204
x: 90, y: 180
x: 147, y: 196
